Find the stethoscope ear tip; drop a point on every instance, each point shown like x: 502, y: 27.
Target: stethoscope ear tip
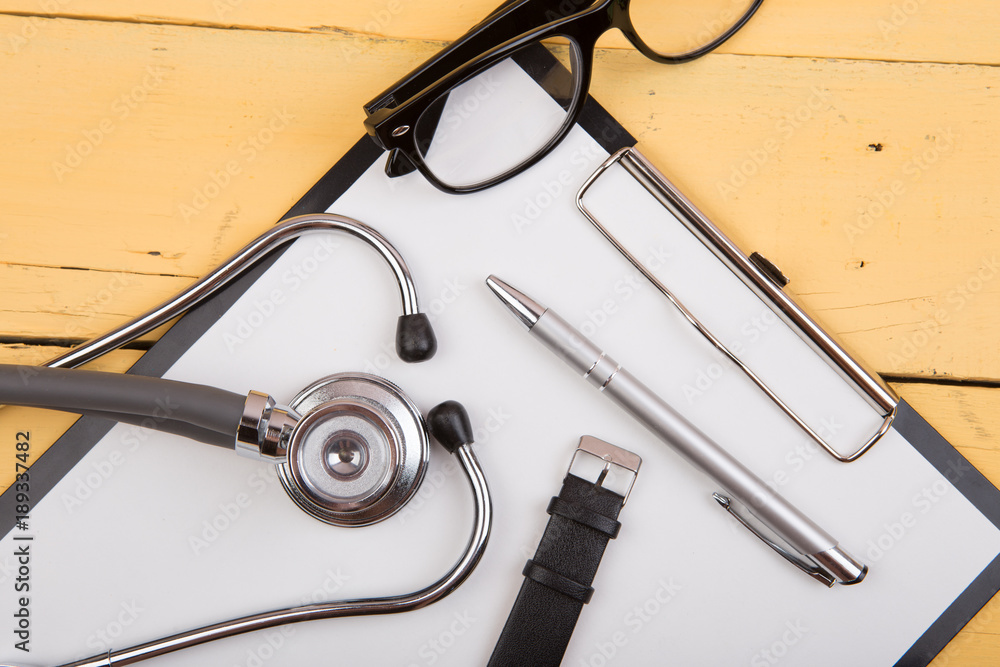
x: 449, y: 423
x: 415, y: 340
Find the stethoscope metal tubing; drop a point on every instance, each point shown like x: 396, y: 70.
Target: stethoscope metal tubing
x: 281, y: 233
x: 483, y: 518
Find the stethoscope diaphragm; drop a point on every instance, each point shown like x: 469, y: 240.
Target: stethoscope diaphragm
x: 350, y: 450
x: 359, y: 452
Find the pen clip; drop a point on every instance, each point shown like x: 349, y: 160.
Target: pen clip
x: 814, y: 571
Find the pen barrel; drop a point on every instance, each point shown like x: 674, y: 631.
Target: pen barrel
x: 706, y: 455
x: 698, y: 449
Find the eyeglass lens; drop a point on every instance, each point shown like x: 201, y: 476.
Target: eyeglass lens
x: 672, y: 27
x: 499, y: 118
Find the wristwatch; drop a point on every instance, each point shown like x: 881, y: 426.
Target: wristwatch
x: 557, y: 580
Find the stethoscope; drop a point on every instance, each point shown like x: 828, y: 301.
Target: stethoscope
x: 350, y: 449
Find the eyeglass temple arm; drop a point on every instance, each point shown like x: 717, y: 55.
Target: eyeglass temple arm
x: 505, y: 22
x: 509, y: 20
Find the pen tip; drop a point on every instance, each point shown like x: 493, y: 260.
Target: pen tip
x: 526, y: 309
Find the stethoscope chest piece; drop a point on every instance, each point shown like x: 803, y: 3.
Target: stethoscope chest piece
x: 359, y: 452
x: 350, y: 449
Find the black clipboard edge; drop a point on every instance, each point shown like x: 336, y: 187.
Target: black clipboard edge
x: 86, y: 432
x: 985, y: 497
x: 70, y: 448
x: 73, y: 445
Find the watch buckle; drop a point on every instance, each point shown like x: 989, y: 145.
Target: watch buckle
x: 612, y: 456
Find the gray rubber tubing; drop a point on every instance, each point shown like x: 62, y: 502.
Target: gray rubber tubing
x: 155, y: 401
x: 167, y: 426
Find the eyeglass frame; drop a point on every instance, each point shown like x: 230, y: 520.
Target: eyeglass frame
x: 392, y: 116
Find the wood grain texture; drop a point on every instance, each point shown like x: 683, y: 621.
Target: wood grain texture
x: 59, y: 305
x: 921, y: 30
x: 118, y: 361
x: 968, y: 417
x: 856, y: 145
x: 776, y: 150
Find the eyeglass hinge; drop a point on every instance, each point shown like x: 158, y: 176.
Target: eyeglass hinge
x: 381, y: 103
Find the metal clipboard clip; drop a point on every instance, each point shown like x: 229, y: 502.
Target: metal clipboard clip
x: 764, y: 280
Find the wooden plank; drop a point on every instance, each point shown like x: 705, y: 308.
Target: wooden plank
x: 183, y: 103
x: 882, y: 30
x: 147, y: 150
x: 896, y: 249
x: 118, y: 361
x: 976, y: 645
x: 147, y: 198
x: 77, y: 304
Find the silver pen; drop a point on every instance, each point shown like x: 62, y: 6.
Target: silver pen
x: 806, y: 545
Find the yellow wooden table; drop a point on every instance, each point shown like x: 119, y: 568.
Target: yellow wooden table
x: 855, y: 143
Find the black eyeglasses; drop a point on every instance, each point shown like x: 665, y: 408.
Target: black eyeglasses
x: 462, y: 118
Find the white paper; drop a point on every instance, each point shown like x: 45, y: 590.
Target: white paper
x: 151, y: 534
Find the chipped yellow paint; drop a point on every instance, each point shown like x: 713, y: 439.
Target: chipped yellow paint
x: 855, y: 145
x: 881, y: 30
x: 894, y: 249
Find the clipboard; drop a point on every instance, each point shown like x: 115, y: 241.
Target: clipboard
x: 142, y: 534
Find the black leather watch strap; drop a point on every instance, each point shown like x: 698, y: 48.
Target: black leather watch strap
x: 557, y: 581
